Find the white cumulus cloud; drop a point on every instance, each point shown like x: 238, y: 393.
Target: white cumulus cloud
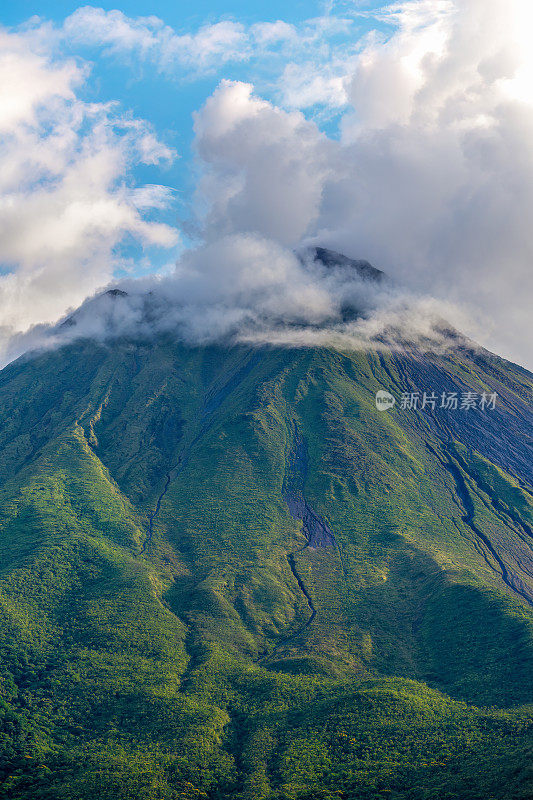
x: 65, y: 199
x: 150, y: 38
x: 432, y: 177
x: 262, y: 169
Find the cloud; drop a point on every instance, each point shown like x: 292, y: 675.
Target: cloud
x: 262, y: 169
x: 441, y: 147
x: 65, y: 199
x: 150, y: 38
x: 432, y: 177
x: 285, y: 47
x: 247, y: 288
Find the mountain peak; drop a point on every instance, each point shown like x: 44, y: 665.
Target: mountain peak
x: 332, y: 259
x: 107, y: 310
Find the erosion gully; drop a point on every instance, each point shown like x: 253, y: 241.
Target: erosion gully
x: 316, y: 530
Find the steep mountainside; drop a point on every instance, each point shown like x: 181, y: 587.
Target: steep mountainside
x: 226, y: 574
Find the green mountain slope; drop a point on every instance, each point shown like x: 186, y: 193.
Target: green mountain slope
x: 225, y: 574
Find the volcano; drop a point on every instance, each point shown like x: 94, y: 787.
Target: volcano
x: 226, y: 572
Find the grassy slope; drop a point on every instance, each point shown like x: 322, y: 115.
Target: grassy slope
x: 181, y: 666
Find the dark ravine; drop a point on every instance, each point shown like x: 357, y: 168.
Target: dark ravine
x: 506, y: 513
x: 512, y: 581
x: 303, y: 589
x: 155, y: 513
x: 314, y: 528
x: 294, y: 635
x: 316, y: 531
x: 215, y: 398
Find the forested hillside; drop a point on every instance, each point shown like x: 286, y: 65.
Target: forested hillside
x: 226, y: 574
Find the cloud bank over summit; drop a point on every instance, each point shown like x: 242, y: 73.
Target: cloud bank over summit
x: 429, y: 177
x: 244, y: 288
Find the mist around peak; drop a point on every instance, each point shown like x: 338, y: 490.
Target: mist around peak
x: 246, y: 288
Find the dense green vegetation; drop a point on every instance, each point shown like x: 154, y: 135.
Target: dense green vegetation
x: 155, y: 640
